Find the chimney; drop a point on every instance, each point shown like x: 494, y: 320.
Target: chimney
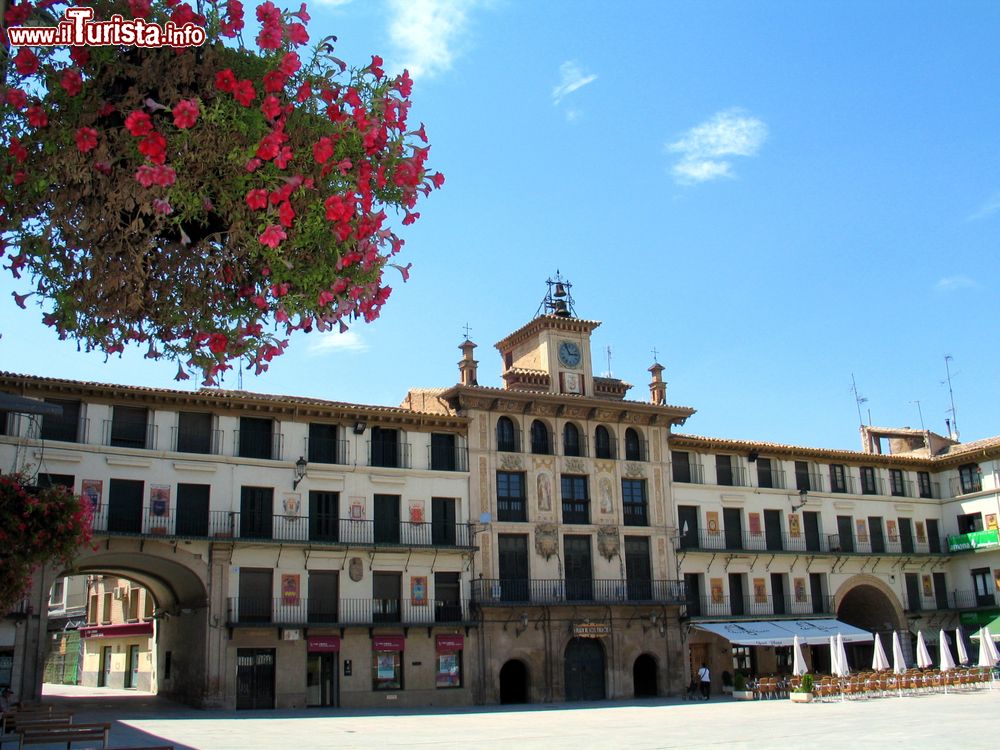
x: 467, y: 365
x: 657, y: 388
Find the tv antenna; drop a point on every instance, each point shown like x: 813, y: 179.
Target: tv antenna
x: 608, y: 351
x: 859, y: 399
x: 921, y: 413
x: 953, y: 433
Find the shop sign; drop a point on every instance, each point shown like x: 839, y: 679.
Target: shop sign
x: 591, y: 629
x: 974, y: 541
x: 324, y: 643
x: 448, y: 644
x: 388, y: 643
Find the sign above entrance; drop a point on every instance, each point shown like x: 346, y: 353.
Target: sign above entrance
x: 118, y: 631
x: 324, y: 643
x: 591, y: 629
x: 448, y: 644
x: 388, y: 643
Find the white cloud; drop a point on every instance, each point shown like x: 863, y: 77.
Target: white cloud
x: 989, y: 208
x: 333, y: 341
x: 705, y: 149
x: 571, y: 78
x: 955, y: 284
x: 427, y: 33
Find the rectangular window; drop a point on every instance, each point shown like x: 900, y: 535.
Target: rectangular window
x: 385, y: 447
x: 838, y: 478
x: 638, y: 573
x: 324, y: 516
x: 802, y: 476
x: 324, y: 596
x: 765, y: 476
x: 634, y: 501
x: 512, y: 556
x: 970, y: 522
x: 982, y: 584
x: 386, y: 597
x: 924, y: 483
x: 256, y: 438
x: 256, y: 512
x: 681, y: 461
x: 447, y: 598
x: 896, y: 484
x: 65, y: 427
x: 192, y: 510
x: 575, y: 499
x: 125, y: 506
x: 724, y: 470
x: 56, y: 480
x: 128, y: 427
x: 387, y: 519
x: 443, y: 452
x: 106, y: 609
x: 194, y: 432
x: 511, y: 503
x: 323, y: 447
x: 868, y: 481
x: 970, y: 477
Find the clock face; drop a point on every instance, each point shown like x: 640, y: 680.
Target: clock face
x: 569, y: 354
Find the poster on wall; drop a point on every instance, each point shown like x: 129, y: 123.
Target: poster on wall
x: 991, y: 521
x: 890, y: 529
x: 928, y: 587
x: 386, y: 666
x: 759, y: 591
x: 416, y: 511
x: 418, y: 591
x: 800, y: 590
x: 716, y: 588
x: 921, y: 533
x: 290, y: 589
x: 794, y: 530
x: 712, y: 521
x: 91, y: 489
x: 754, y: 519
x: 159, y: 500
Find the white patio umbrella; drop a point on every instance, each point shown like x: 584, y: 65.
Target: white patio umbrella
x: 923, y: 656
x: 947, y: 663
x: 834, y: 656
x: 842, y: 666
x: 798, y: 660
x: 898, y: 661
x: 963, y: 655
x: 988, y: 656
x: 880, y: 661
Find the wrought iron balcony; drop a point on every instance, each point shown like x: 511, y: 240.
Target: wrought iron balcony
x: 502, y: 592
x: 753, y: 606
x: 739, y: 540
x: 447, y: 458
x: 254, y: 444
x: 294, y: 611
x: 130, y: 434
x: 315, y: 530
x: 389, y: 455
x: 974, y: 599
x: 327, y: 451
x: 207, y: 442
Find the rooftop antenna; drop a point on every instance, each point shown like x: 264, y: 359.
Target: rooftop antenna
x: 953, y: 430
x: 558, y: 299
x: 609, y: 361
x: 921, y: 413
x: 859, y: 399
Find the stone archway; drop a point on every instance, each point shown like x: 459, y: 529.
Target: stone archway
x: 514, y: 687
x: 645, y: 676
x: 868, y: 603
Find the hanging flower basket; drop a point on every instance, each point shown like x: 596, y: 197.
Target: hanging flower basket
x: 204, y: 202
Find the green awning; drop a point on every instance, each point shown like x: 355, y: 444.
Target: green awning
x: 978, y: 619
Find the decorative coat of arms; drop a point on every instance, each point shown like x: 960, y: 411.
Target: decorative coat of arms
x: 546, y: 539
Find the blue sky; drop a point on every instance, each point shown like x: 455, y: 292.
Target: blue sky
x: 774, y: 195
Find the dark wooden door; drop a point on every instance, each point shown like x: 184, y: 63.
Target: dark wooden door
x: 732, y: 519
x: 772, y: 529
x: 256, y: 597
x: 584, y: 670
x: 810, y: 521
x: 687, y: 523
x: 324, y: 516
x: 876, y: 534
x: 256, y: 512
x: 125, y: 506
x: 692, y: 590
x: 512, y: 550
x: 906, y: 535
x: 913, y: 601
x: 443, y: 521
x: 387, y: 519
x: 816, y: 592
x: 254, y: 678
x: 579, y: 569
x: 192, y: 509
x: 778, y: 593
x: 940, y: 591
x: 933, y: 536
x: 845, y: 534
x: 638, y: 572
x: 736, y: 601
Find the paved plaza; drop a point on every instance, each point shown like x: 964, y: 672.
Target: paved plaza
x: 960, y: 720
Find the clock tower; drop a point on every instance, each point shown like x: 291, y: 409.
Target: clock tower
x: 552, y: 353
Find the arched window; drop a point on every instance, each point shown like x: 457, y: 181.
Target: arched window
x: 602, y: 442
x: 506, y: 436
x: 540, y: 438
x: 571, y: 440
x: 633, y: 446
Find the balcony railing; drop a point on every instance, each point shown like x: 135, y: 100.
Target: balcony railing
x: 758, y: 606
x: 974, y: 599
x: 689, y: 474
x: 731, y: 476
x: 581, y: 449
x: 965, y: 487
x: 129, y: 435
x: 315, y: 530
x: 208, y: 442
x: 251, y: 444
x: 929, y: 603
x: 447, y: 458
x: 301, y: 611
x: 772, y: 479
x: 500, y: 592
x: 389, y: 455
x: 785, y: 542
x: 811, y: 481
x: 327, y: 451
x: 638, y: 451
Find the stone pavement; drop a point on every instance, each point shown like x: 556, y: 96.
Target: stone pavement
x: 955, y: 720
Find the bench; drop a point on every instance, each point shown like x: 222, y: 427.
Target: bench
x: 68, y: 733
x: 13, y: 719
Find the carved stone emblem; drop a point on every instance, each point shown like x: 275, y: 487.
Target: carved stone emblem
x: 633, y: 469
x: 511, y: 462
x: 575, y: 465
x: 356, y: 569
x: 546, y: 539
x: 607, y: 542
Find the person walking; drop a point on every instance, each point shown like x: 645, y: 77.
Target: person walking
x: 705, y: 679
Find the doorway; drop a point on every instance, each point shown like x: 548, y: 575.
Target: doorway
x: 254, y: 678
x: 321, y: 679
x: 132, y: 668
x: 514, y: 682
x: 644, y: 677
x: 584, y: 670
x: 104, y: 675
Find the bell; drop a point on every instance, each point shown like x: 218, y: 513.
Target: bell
x: 559, y: 308
x: 560, y: 290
